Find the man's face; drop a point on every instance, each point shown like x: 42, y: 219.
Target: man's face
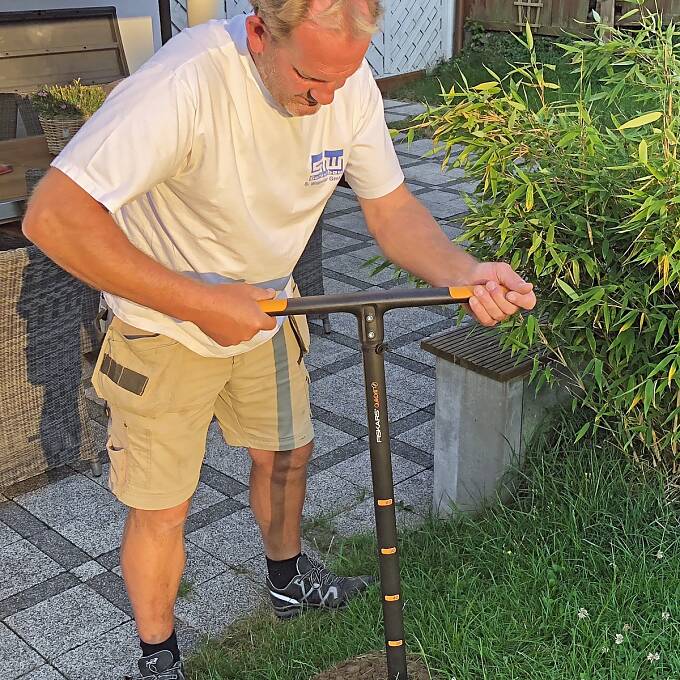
x: 303, y: 72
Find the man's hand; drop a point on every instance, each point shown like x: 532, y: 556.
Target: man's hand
x: 489, y: 304
x: 230, y: 314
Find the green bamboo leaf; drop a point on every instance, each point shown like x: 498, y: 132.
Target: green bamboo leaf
x: 645, y: 119
x: 486, y: 86
x: 529, y: 202
x: 642, y: 152
x: 660, y: 330
x: 530, y: 37
x: 598, y: 372
x: 628, y: 14
x: 567, y: 289
x: 649, y: 395
x: 582, y: 432
x: 531, y: 327
x: 597, y: 17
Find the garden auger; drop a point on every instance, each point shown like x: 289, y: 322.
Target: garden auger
x: 369, y: 309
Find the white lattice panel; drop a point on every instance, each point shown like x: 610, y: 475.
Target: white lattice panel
x: 417, y: 33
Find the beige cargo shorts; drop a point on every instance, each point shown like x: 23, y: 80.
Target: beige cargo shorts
x: 162, y: 397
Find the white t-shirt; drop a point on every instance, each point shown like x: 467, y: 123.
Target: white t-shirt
x: 207, y: 175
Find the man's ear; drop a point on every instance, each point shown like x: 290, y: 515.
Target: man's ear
x: 257, y: 33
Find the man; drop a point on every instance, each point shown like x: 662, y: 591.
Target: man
x: 189, y: 197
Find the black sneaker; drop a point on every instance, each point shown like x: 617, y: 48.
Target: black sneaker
x: 159, y: 666
x: 315, y: 587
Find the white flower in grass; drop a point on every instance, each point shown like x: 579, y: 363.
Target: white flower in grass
x: 605, y: 650
x: 659, y: 555
x: 626, y: 627
x: 653, y: 657
x: 583, y: 613
x: 665, y: 616
x: 618, y: 640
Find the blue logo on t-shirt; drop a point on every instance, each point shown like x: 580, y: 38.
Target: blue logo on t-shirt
x: 329, y: 164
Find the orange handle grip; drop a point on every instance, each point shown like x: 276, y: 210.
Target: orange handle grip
x: 273, y: 306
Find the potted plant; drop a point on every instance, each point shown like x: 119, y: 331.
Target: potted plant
x: 63, y: 109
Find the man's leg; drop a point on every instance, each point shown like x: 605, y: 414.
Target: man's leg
x: 152, y: 559
x: 278, y: 481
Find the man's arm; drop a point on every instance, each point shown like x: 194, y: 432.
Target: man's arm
x: 411, y: 238
x: 80, y: 235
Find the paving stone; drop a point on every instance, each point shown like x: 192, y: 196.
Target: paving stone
x: 7, y: 535
x: 361, y: 519
x: 16, y: 657
x: 332, y: 286
x: 328, y: 494
x: 37, y: 593
x: 204, y: 497
x: 416, y: 492
x: 215, y: 604
x: 409, y: 108
x: 211, y: 514
x: 43, y: 673
x: 234, y: 537
x: 346, y: 397
x: 68, y: 499
x: 395, y: 116
x: 392, y: 103
x: 66, y: 621
x: 59, y: 549
x: 358, y: 469
x: 22, y: 565
x: 88, y: 570
x: 414, y: 351
x: 201, y: 566
x: 422, y: 437
x: 356, y: 267
x: 353, y: 222
x: 419, y: 147
x: 333, y: 241
x: 339, y: 202
x: 432, y: 174
x: 328, y: 438
x: 116, y: 651
x: 323, y: 351
x: 467, y: 187
x: 98, y: 533
x: 20, y: 520
x: 443, y: 204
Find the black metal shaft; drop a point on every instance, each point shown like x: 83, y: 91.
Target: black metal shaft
x: 371, y: 335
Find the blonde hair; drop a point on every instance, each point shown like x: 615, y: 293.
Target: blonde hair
x: 283, y: 16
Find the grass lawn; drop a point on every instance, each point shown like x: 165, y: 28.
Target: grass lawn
x: 499, y: 52
x: 578, y: 579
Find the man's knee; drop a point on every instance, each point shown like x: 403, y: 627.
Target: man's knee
x: 283, y: 462
x: 159, y: 521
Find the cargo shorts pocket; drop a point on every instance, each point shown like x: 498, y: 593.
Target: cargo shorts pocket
x: 136, y: 370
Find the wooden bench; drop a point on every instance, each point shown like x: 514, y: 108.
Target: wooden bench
x: 485, y: 414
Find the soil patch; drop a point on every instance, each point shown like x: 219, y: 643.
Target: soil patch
x: 372, y: 667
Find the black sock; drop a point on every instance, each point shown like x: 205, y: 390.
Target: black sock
x: 281, y: 572
x: 170, y: 644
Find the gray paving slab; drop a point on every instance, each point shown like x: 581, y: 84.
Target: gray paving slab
x: 16, y: 657
x: 347, y: 398
x: 353, y: 222
x: 419, y: 147
x: 54, y: 545
x: 215, y: 604
x: 431, y: 174
x: 7, y: 535
x: 66, y: 500
x: 409, y: 108
x: 43, y: 673
x: 341, y: 202
x: 422, y: 437
x: 113, y: 653
x: 414, y: 351
x: 393, y: 103
x: 88, y: 570
x: 323, y: 351
x: 395, y: 115
x: 328, y: 438
x: 231, y: 539
x: 356, y: 267
x: 22, y: 565
x: 204, y: 497
x: 329, y: 494
x: 358, y: 469
x: 416, y: 492
x: 443, y: 204
x: 402, y: 386
x: 201, y: 566
x: 232, y: 461
x: 66, y: 621
x: 333, y: 241
x: 98, y: 533
x: 333, y: 286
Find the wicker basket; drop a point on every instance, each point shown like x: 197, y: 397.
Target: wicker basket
x: 59, y: 131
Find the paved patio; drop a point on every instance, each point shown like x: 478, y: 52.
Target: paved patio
x: 63, y: 608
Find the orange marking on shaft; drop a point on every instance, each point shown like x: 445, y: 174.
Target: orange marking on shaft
x: 270, y: 306
x: 392, y: 598
x: 461, y: 292
x: 395, y: 643
x: 385, y: 503
x: 388, y: 551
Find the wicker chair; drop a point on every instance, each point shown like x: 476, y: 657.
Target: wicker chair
x: 44, y: 420
x: 308, y: 272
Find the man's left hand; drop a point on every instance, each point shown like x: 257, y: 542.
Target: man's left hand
x: 490, y: 304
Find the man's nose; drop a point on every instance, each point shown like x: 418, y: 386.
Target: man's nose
x: 324, y: 94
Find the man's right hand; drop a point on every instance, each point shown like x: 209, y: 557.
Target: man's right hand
x: 230, y: 314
